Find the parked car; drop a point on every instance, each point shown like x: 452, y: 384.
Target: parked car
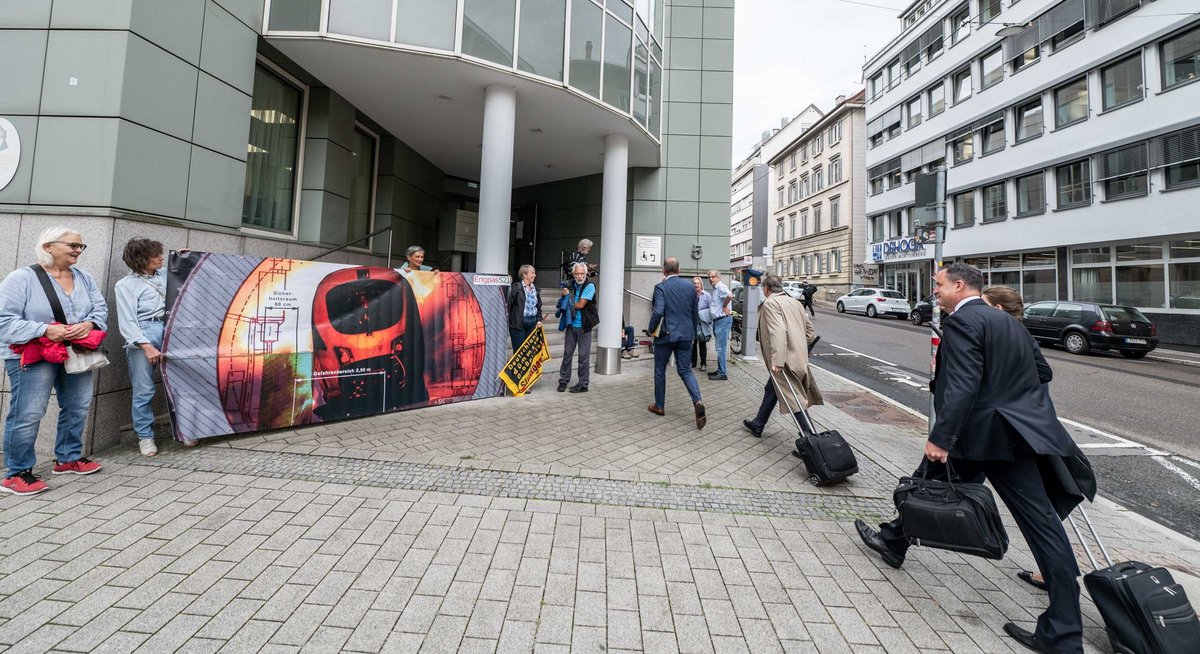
x: 874, y: 302
x: 922, y: 312
x: 1082, y: 327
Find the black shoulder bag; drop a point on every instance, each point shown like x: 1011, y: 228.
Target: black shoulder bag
x: 960, y: 517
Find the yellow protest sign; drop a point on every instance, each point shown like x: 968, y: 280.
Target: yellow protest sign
x: 525, y: 366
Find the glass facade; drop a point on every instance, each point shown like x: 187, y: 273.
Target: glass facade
x: 272, y: 153
x: 613, y: 48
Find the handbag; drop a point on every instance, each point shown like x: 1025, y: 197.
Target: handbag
x: 960, y: 517
x: 79, y: 360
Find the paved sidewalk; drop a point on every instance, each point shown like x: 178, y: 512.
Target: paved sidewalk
x: 556, y: 522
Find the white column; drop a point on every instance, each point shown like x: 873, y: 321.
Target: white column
x: 612, y: 254
x: 495, y: 178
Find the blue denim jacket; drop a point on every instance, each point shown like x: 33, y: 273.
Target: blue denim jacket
x: 25, y: 311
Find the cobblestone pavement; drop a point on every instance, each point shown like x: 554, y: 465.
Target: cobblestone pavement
x: 552, y: 523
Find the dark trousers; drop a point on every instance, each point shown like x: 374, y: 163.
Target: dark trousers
x: 700, y: 351
x: 1020, y: 487
x: 518, y: 336
x: 683, y: 366
x: 808, y: 304
x: 769, y: 402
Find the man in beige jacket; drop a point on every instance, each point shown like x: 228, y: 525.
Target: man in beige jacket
x: 784, y: 334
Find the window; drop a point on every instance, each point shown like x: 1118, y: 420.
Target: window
x: 540, y: 48
x: 1182, y: 175
x: 792, y: 161
x: 1031, y: 194
x: 893, y: 73
x: 991, y: 67
x: 937, y: 100
x: 834, y: 218
x: 488, y: 31
x: 804, y: 222
x: 835, y: 170
x: 914, y: 112
x: 618, y: 46
x: 1181, y: 59
x: 876, y: 224
x: 835, y: 133
x: 793, y: 192
x: 992, y: 137
x: 805, y: 187
x: 875, y: 85
x: 988, y: 10
x: 1026, y: 58
x: 804, y: 153
x: 1066, y: 37
x: 893, y: 131
x: 895, y: 179
x: 818, y: 179
x: 1124, y: 172
x: 1029, y: 120
x: 816, y: 214
x: 1074, y: 182
x: 964, y: 209
x: 272, y: 153
x: 1184, y: 274
x: 1122, y: 82
x: 1071, y: 103
x: 964, y: 149
x: 779, y: 172
x: 792, y: 224
x: 960, y: 24
x: 961, y: 83
x: 587, y: 26
x: 877, y: 185
x: 818, y: 144
x: 362, y: 187
x: 995, y: 206
x: 781, y: 202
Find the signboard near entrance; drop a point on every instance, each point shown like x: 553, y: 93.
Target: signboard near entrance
x: 909, y: 248
x: 647, y: 251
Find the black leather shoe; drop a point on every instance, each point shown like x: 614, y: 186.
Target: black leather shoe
x: 873, y: 541
x: 578, y: 388
x: 716, y: 376
x: 562, y: 386
x: 1029, y: 640
x: 1027, y: 577
x: 750, y: 425
x: 701, y: 416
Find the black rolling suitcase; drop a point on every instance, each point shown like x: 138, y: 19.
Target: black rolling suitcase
x: 1144, y: 610
x: 826, y: 455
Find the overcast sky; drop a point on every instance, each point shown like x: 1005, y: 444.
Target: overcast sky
x: 790, y: 53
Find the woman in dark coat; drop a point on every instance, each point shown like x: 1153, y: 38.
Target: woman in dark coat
x: 524, y: 307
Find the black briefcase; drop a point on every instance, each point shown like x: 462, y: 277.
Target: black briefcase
x: 948, y: 515
x: 1144, y: 610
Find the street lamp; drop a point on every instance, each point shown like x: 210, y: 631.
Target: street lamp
x: 1012, y: 29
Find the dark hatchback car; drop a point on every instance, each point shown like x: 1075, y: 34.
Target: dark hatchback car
x: 922, y: 313
x: 1081, y: 327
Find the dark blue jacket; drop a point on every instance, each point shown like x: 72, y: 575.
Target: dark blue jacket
x: 988, y: 393
x: 675, y: 302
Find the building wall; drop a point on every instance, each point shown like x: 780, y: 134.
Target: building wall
x: 1157, y: 216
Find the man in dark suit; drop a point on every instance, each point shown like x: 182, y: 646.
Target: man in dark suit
x: 994, y: 420
x: 673, y: 321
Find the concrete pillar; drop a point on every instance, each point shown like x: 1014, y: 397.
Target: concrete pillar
x: 612, y: 254
x: 495, y: 178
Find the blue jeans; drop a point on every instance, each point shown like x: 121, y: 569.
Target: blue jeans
x: 683, y: 365
x: 27, y: 405
x: 628, y: 342
x: 141, y: 376
x: 721, y: 328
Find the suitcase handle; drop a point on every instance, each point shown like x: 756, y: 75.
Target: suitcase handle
x: 811, y: 429
x: 1095, y: 536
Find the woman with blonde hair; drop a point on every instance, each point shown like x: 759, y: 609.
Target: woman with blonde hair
x: 28, y: 299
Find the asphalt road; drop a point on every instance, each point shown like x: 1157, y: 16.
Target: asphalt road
x: 1135, y: 419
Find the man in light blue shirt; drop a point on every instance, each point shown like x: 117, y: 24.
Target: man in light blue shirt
x: 577, y: 334
x: 722, y: 312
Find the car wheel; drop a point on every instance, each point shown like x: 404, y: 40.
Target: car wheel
x: 841, y: 308
x: 915, y: 318
x: 870, y: 310
x: 1076, y: 343
x: 1133, y: 354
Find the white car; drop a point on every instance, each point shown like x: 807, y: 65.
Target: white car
x: 874, y: 302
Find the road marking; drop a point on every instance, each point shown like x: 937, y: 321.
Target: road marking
x: 874, y: 392
x: 1105, y: 446
x: 1125, y: 441
x: 1195, y: 483
x: 863, y: 355
x: 1187, y: 461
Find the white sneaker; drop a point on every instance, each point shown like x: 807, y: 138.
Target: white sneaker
x: 188, y: 442
x: 146, y: 445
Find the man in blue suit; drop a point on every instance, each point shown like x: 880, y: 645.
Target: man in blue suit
x: 673, y: 321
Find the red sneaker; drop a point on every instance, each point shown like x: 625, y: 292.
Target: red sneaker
x: 24, y: 483
x: 83, y: 466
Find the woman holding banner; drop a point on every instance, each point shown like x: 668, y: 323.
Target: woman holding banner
x: 524, y: 307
